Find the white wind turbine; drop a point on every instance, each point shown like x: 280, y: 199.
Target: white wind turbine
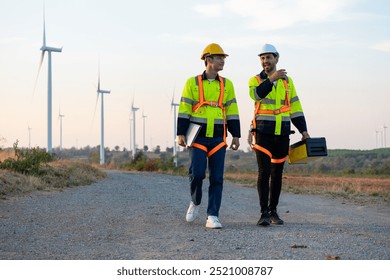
x: 60, y: 116
x: 133, y: 110
x: 174, y: 105
x: 29, y: 137
x: 49, y: 50
x: 101, y: 92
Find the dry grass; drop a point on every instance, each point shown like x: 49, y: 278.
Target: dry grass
x: 353, y: 188
x: 56, y: 176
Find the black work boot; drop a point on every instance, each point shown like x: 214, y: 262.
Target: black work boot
x: 264, y: 219
x: 274, y: 218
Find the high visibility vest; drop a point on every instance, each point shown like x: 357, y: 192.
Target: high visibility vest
x: 203, y: 102
x: 283, y: 109
x: 258, y: 110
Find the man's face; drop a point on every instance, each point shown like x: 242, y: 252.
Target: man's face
x: 217, y: 62
x: 268, y: 62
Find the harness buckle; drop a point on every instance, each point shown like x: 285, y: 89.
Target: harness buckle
x: 277, y: 111
x: 213, y: 103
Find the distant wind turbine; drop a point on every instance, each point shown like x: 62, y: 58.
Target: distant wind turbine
x: 101, y: 92
x: 49, y: 50
x: 174, y: 105
x: 60, y: 116
x: 133, y: 110
x: 143, y: 119
x: 29, y: 137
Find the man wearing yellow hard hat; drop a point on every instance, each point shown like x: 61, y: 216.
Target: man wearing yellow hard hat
x: 208, y: 100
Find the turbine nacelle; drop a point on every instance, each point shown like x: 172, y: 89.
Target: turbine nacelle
x: 50, y: 49
x: 103, y: 91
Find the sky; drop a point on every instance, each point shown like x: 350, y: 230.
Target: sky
x: 337, y: 52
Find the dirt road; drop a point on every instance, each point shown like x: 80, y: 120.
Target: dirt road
x: 142, y: 216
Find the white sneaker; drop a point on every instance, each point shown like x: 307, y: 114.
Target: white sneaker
x: 213, y: 222
x: 192, y: 212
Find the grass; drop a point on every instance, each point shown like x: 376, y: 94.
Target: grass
x: 58, y: 175
x: 358, y: 189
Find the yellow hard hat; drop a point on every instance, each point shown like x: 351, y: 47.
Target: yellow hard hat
x: 211, y: 50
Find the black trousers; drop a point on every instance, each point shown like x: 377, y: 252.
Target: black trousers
x: 269, y: 180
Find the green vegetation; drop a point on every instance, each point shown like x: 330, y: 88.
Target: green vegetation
x: 27, y: 161
x: 35, y: 169
x: 349, y: 171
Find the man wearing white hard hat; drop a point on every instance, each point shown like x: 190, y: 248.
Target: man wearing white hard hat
x: 276, y: 106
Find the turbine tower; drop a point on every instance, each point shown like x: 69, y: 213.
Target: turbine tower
x: 134, y: 109
x: 101, y: 92
x: 174, y: 105
x: 49, y: 50
x: 143, y: 120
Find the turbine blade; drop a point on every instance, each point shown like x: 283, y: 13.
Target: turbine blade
x: 94, y: 112
x: 99, y: 73
x: 44, y: 28
x: 39, y: 70
x: 99, y: 79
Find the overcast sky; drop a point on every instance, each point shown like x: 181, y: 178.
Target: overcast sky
x: 337, y: 52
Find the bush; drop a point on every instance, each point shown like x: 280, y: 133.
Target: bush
x: 28, y: 161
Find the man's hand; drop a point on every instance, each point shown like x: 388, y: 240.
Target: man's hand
x: 279, y: 74
x: 305, y: 135
x: 235, y: 143
x: 181, y: 141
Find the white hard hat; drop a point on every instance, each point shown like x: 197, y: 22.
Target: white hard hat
x: 268, y: 48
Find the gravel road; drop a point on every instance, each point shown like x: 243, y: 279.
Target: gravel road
x: 141, y: 216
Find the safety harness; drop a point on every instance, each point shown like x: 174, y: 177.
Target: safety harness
x: 203, y: 102
x: 252, y: 132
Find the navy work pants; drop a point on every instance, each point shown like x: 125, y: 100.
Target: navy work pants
x: 197, y: 173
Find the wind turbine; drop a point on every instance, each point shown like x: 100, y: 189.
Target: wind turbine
x: 384, y: 133
x: 143, y: 119
x: 101, y: 92
x: 174, y: 105
x: 60, y: 116
x: 134, y: 109
x: 49, y: 50
x: 29, y: 137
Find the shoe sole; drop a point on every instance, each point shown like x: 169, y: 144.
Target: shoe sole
x: 213, y: 227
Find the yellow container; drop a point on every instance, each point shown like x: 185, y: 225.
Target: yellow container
x: 307, y: 150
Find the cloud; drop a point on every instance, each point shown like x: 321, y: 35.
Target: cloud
x: 273, y: 15
x: 382, y: 46
x: 209, y: 10
x: 10, y: 40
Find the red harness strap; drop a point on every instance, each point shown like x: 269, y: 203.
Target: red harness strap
x: 203, y: 102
